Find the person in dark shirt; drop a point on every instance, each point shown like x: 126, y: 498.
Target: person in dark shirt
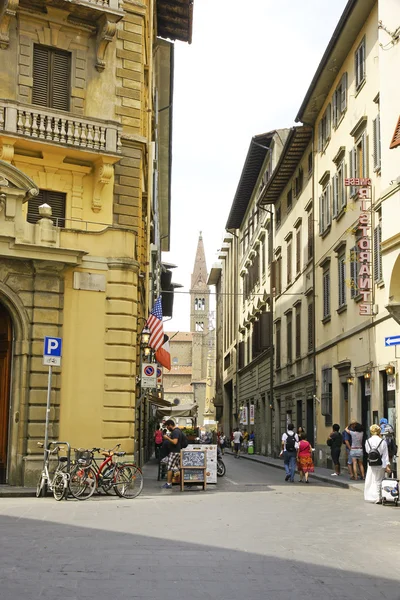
x: 335, y: 441
x: 174, y: 440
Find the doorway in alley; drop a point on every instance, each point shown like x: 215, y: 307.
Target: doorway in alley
x: 5, y: 379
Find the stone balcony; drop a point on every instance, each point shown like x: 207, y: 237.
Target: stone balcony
x: 58, y: 127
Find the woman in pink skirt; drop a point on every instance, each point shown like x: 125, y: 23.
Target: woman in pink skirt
x: 305, y: 463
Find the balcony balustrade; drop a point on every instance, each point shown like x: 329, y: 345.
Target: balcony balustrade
x: 59, y: 127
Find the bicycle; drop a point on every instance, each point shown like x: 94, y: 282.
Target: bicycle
x: 82, y: 481
x: 126, y: 479
x: 58, y: 484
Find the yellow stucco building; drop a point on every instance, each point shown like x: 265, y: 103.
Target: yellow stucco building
x: 85, y: 129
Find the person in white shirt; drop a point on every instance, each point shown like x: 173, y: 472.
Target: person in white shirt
x: 290, y: 443
x: 237, y: 441
x: 375, y: 474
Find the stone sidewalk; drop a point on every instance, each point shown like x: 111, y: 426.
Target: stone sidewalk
x: 320, y: 474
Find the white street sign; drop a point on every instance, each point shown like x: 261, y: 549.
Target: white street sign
x: 149, y: 375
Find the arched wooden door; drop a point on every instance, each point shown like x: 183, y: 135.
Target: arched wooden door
x: 5, y: 379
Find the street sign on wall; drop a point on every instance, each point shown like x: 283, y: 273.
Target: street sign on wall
x: 392, y: 340
x: 149, y: 375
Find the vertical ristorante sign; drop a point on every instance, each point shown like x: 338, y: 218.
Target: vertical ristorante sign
x: 364, y: 244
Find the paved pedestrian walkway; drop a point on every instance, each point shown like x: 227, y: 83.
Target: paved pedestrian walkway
x: 320, y: 474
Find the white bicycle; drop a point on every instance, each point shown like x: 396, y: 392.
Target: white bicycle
x: 58, y: 482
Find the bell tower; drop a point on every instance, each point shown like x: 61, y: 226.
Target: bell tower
x: 199, y: 292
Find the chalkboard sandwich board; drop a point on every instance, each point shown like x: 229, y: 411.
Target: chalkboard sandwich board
x: 193, y: 467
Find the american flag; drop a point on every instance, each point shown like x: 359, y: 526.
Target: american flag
x: 155, y: 324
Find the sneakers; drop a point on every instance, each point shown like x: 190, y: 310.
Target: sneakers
x: 334, y: 474
x: 167, y: 486
x: 287, y: 477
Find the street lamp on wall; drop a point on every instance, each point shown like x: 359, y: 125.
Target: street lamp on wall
x: 389, y: 370
x: 350, y: 380
x: 367, y: 375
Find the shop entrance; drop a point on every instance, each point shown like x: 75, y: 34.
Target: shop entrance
x: 310, y: 421
x: 5, y: 379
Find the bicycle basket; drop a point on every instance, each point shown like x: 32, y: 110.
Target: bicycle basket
x: 83, y: 457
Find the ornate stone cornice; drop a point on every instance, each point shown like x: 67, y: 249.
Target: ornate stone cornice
x: 105, y: 34
x: 8, y: 10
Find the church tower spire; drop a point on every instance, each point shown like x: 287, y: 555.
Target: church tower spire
x: 199, y: 291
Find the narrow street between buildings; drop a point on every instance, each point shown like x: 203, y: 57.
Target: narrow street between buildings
x: 252, y: 536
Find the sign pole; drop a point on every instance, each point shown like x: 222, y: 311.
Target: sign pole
x: 46, y: 430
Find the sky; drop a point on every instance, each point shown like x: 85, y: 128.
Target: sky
x: 245, y: 73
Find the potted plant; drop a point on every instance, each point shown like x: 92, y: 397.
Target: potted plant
x: 191, y: 433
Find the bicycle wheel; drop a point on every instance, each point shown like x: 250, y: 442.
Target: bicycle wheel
x: 41, y: 487
x: 59, y: 486
x: 82, y: 482
x: 106, y: 480
x: 129, y: 481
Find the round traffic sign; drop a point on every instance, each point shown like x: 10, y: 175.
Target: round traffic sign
x: 149, y: 371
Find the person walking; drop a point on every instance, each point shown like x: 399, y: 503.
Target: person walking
x: 335, y: 441
x: 305, y: 464
x: 290, y: 441
x: 222, y: 442
x: 378, y: 464
x: 237, y: 441
x: 347, y: 444
x: 356, y: 449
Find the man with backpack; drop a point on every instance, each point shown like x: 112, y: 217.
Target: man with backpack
x: 378, y: 464
x: 177, y: 440
x: 290, y: 442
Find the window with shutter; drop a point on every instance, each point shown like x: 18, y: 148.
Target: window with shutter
x: 396, y: 136
x: 326, y: 395
x: 289, y: 262
x: 298, y: 251
x: 289, y: 200
x: 377, y: 143
x: 310, y: 244
x: 298, y: 331
x: 241, y: 349
x: 354, y: 271
x: 352, y: 169
x: 56, y: 200
x: 360, y: 64
x: 326, y: 283
x: 278, y: 345
x: 342, y: 280
x: 289, y: 338
x: 343, y: 93
x: 278, y: 216
x: 51, y: 77
x: 378, y: 253
x: 321, y: 214
x: 342, y: 199
x: 310, y: 326
x: 265, y: 330
x: 335, y: 196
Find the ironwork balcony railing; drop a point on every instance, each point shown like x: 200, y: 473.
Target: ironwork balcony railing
x: 59, y: 127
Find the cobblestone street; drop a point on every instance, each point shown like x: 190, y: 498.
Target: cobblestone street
x: 254, y: 536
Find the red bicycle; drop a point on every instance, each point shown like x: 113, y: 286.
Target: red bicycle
x: 125, y: 479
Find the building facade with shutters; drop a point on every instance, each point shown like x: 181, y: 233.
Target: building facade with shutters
x: 356, y: 375
x: 252, y: 225
x: 288, y: 194
x: 81, y: 132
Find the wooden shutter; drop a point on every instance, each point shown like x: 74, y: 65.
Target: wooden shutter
x: 289, y: 262
x: 328, y: 205
x: 298, y: 332
x: 289, y: 338
x: 335, y: 196
x: 352, y: 168
x: 41, y: 76
x: 310, y: 324
x: 321, y: 215
x: 343, y: 98
x: 320, y: 143
x: 298, y: 251
x: 265, y: 330
x: 377, y: 143
x: 328, y: 121
x: 60, y: 80
x: 326, y: 294
x: 310, y: 235
x: 51, y: 77
x: 335, y: 107
x: 241, y: 355
x: 342, y: 282
x: 364, y: 146
x: 396, y: 136
x: 57, y: 202
x: 353, y: 272
x: 278, y: 346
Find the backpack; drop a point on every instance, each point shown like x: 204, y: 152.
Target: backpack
x: 158, y: 438
x: 183, y: 440
x: 374, y: 457
x: 392, y: 446
x: 290, y: 443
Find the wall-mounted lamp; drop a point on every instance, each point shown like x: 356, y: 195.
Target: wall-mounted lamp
x: 367, y: 375
x: 389, y: 370
x: 350, y: 380
x: 147, y: 351
x: 145, y: 336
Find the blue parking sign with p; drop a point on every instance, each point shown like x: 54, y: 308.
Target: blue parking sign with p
x: 52, y: 351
